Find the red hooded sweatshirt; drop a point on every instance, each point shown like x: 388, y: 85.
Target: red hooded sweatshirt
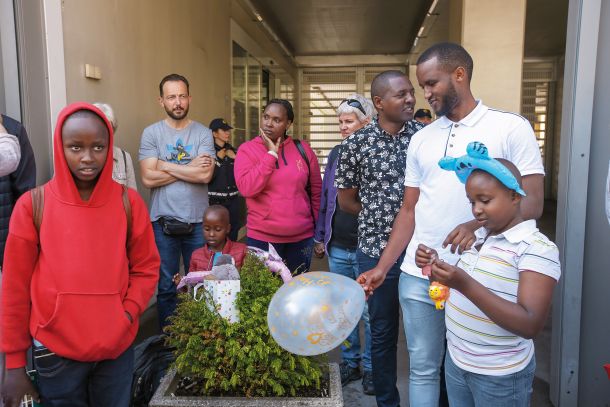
x: 72, y: 297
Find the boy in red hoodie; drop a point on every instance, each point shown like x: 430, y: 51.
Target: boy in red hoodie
x: 76, y: 287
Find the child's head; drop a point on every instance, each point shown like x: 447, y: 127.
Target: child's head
x: 216, y: 227
x: 494, y: 205
x: 86, y: 141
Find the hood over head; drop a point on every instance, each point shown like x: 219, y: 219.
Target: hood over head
x: 62, y: 184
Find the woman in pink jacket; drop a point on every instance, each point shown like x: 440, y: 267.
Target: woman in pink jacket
x: 280, y: 179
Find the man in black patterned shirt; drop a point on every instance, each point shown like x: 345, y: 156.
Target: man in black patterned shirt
x: 370, y: 178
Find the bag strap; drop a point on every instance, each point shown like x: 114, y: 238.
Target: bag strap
x: 127, y: 206
x: 308, y: 186
x: 301, y: 151
x: 37, y: 206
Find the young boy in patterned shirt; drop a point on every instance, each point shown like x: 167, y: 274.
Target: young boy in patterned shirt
x: 500, y: 293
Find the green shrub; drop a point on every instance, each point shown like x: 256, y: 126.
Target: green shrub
x: 240, y: 359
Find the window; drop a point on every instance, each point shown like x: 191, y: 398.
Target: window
x: 322, y: 90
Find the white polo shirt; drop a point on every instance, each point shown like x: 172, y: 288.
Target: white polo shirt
x: 442, y: 203
x: 477, y: 344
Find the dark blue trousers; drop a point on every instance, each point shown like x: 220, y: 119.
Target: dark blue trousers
x: 68, y: 383
x: 384, y: 309
x: 296, y: 255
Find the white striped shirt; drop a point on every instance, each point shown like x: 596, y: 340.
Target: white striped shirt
x: 475, y: 343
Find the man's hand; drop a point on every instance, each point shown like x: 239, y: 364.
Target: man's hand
x: 424, y: 256
x: 462, y: 237
x: 270, y: 144
x: 203, y: 160
x: 318, y: 249
x: 370, y: 280
x: 16, y: 385
x: 451, y: 276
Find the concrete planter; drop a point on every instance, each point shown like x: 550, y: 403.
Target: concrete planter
x: 163, y: 398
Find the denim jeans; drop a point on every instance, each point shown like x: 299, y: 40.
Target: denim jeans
x: 296, y: 255
x: 343, y: 261
x: 425, y: 331
x: 468, y: 389
x: 383, y: 314
x: 170, y: 249
x: 69, y: 383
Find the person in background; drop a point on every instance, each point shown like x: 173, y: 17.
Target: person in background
x: 17, y: 182
x: 222, y: 190
x: 10, y: 152
x: 369, y: 177
x: 122, y: 170
x: 280, y: 179
x: 423, y: 116
x: 176, y: 164
x: 216, y: 228
x: 337, y: 235
x: 13, y: 181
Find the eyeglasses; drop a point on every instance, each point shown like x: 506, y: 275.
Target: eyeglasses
x: 354, y: 103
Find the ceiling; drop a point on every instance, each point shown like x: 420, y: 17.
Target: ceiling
x: 545, y: 28
x: 366, y: 27
x: 346, y: 27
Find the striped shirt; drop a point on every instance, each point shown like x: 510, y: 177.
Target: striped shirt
x: 475, y: 343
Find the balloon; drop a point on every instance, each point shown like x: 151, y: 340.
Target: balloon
x: 315, y: 312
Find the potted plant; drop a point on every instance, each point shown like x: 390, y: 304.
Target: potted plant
x: 239, y: 364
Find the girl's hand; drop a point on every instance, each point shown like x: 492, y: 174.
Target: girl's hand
x: 451, y: 276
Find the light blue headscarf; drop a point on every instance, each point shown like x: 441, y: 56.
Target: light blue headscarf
x: 477, y: 158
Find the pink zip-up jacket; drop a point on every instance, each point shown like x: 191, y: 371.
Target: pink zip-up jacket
x: 279, y: 208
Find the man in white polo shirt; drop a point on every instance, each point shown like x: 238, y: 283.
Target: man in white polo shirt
x: 435, y: 210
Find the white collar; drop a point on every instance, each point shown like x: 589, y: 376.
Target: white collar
x: 470, y: 120
x: 515, y: 234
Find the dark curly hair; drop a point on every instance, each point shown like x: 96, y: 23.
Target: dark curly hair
x: 285, y: 104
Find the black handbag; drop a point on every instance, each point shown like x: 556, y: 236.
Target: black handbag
x: 174, y: 227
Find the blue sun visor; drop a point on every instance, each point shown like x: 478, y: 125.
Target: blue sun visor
x: 477, y: 158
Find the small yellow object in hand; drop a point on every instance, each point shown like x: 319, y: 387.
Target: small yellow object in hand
x: 439, y: 294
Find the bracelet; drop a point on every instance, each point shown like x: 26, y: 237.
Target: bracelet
x: 273, y: 153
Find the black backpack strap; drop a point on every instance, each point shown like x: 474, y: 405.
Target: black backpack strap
x: 308, y: 186
x: 301, y: 151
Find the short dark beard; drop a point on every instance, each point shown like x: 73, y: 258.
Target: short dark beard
x: 171, y: 114
x: 448, y: 102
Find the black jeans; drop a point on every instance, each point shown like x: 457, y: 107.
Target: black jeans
x: 69, y: 383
